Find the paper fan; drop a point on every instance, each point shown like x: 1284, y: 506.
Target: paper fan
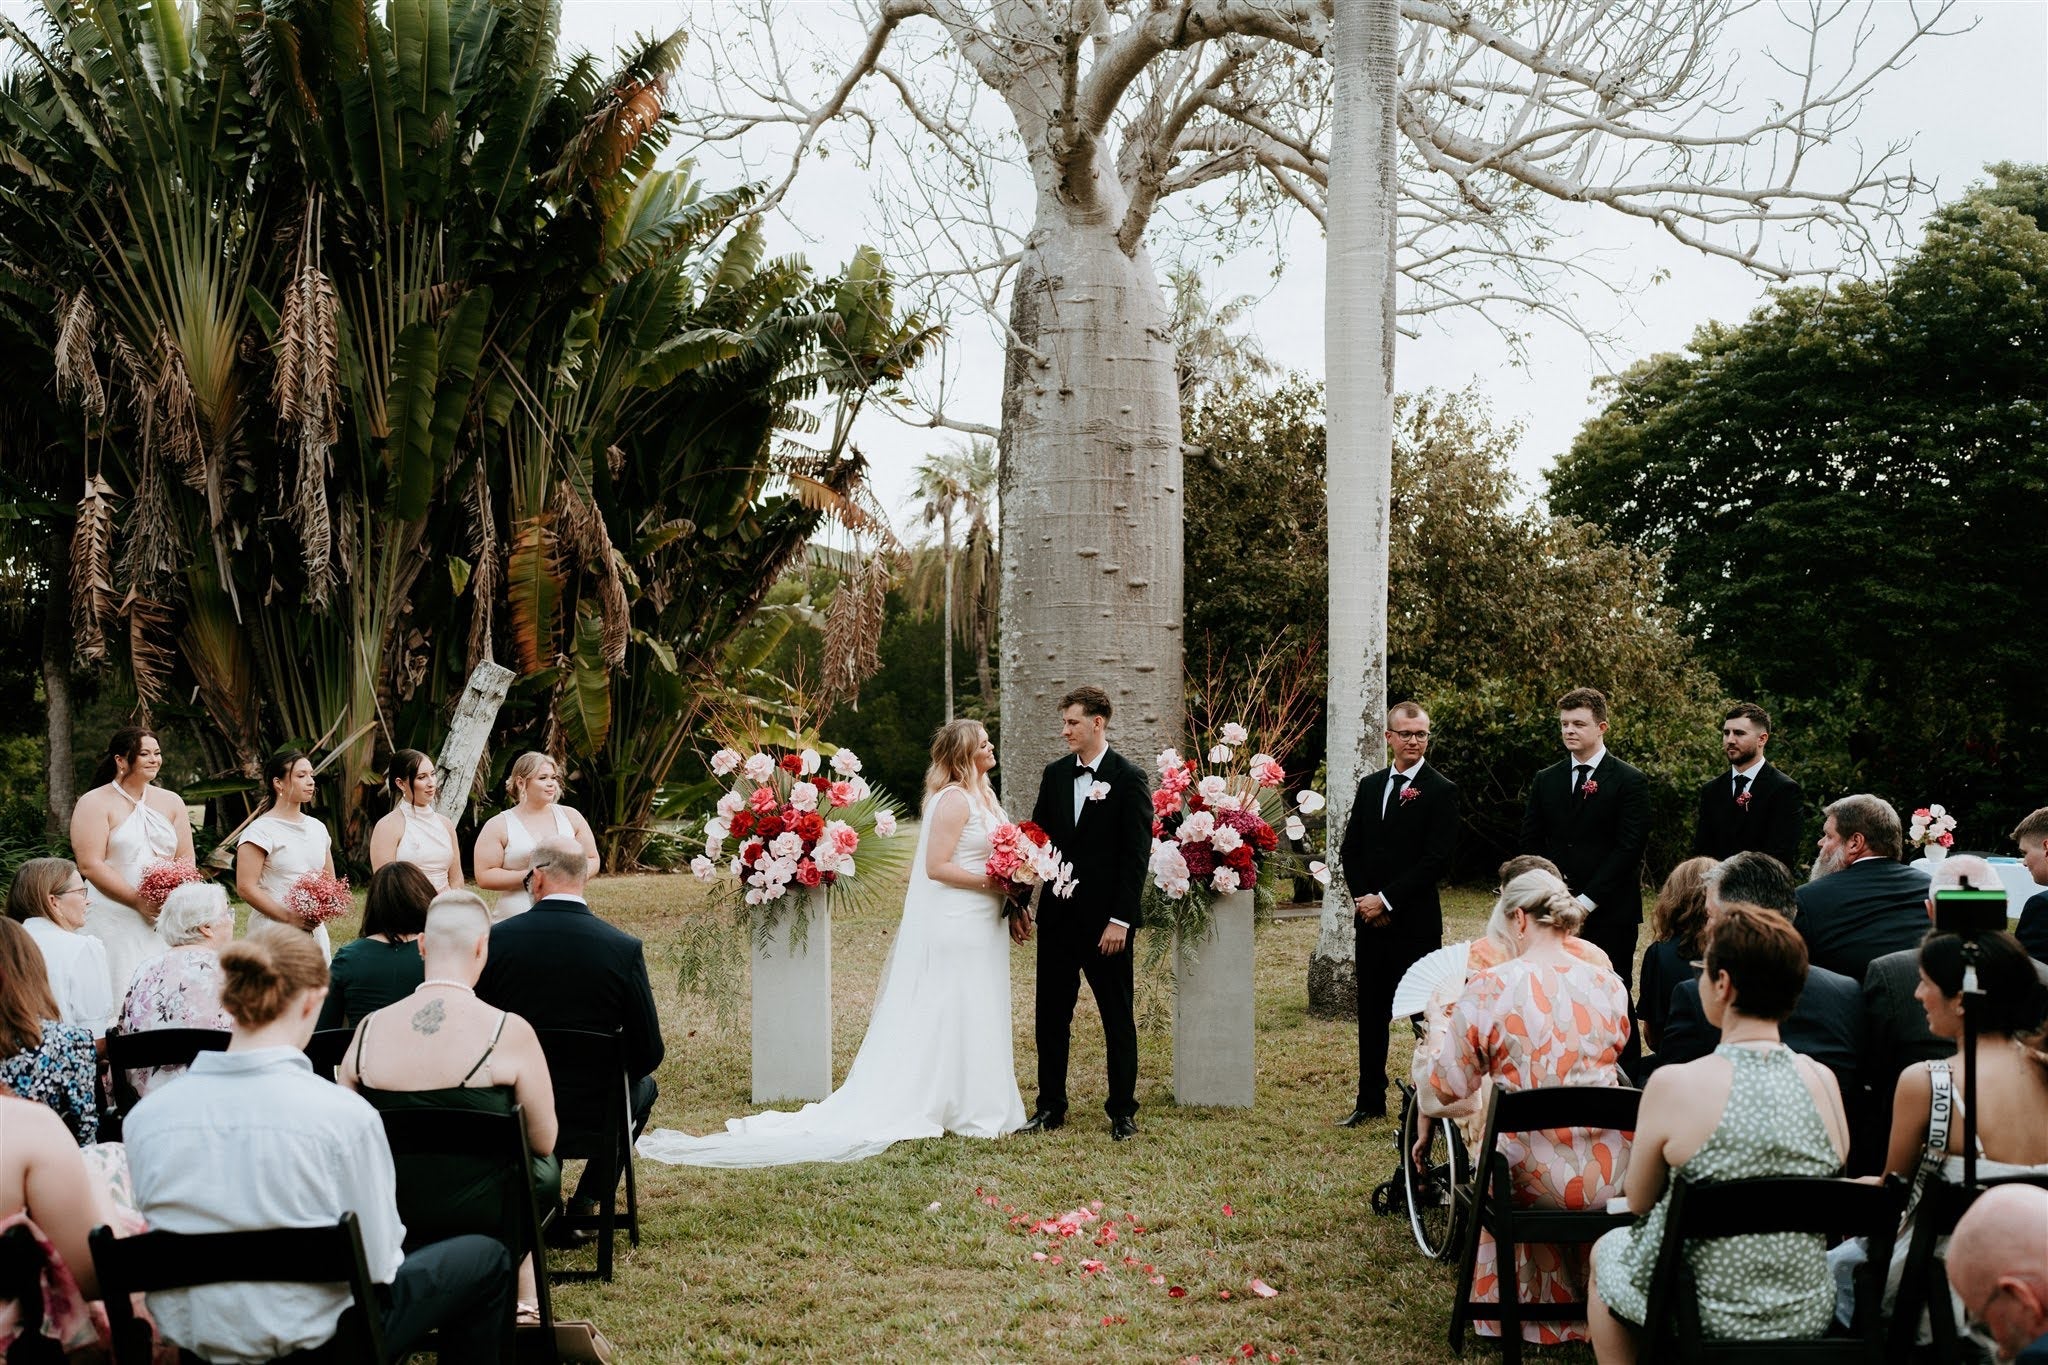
x: 1430, y: 971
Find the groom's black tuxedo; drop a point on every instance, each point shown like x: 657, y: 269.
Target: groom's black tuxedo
x: 1597, y: 841
x: 1109, y: 845
x: 1769, y: 823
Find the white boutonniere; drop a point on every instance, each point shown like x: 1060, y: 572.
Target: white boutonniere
x: 1097, y: 791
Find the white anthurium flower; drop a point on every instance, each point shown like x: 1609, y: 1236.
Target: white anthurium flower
x: 1296, y: 829
x: 1309, y: 801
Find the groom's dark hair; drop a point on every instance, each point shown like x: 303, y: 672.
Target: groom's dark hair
x: 1093, y: 701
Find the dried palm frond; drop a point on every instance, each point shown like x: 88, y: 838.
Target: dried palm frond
x: 77, y: 372
x: 853, y: 630
x: 309, y: 517
x: 611, y: 595
x: 582, y: 533
x: 177, y: 411
x: 92, y: 576
x: 150, y: 656
x: 151, y: 550
x: 486, y: 575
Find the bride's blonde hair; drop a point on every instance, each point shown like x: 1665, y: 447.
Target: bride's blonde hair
x: 953, y: 749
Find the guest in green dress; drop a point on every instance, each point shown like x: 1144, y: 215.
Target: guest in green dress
x: 442, y: 1048
x: 383, y: 964
x: 1754, y: 1108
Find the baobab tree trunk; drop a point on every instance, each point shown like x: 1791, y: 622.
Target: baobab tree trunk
x: 946, y: 603
x: 1090, y: 495
x: 1358, y: 345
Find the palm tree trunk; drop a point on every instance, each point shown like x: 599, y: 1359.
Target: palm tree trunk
x: 59, y: 776
x: 1358, y: 346
x: 946, y: 604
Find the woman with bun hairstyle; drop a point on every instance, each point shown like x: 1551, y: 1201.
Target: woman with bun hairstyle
x: 504, y: 846
x: 125, y: 823
x: 252, y: 1138
x: 413, y: 831
x: 283, y: 844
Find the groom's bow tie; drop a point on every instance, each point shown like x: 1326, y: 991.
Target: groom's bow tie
x: 1082, y: 770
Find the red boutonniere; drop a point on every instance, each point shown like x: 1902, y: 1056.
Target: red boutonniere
x: 1409, y: 793
x: 1590, y: 790
x: 1742, y: 802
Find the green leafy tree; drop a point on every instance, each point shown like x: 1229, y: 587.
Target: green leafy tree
x: 1846, y: 494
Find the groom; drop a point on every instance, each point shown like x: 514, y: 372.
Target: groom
x: 1097, y: 806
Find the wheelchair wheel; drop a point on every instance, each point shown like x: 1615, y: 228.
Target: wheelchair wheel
x: 1431, y: 1186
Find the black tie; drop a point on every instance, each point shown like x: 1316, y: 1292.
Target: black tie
x: 1741, y: 784
x: 1083, y: 770
x: 1394, y: 785
x: 1579, y: 772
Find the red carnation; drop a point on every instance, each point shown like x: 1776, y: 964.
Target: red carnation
x: 823, y: 782
x: 1165, y: 802
x: 1195, y: 801
x: 807, y: 873
x: 791, y: 763
x: 1036, y: 835
x: 742, y: 824
x: 751, y: 853
x: 1263, y: 837
x: 827, y: 878
x: 1159, y: 829
x: 808, y: 826
x: 770, y: 826
x: 1200, y: 858
x: 1239, y: 858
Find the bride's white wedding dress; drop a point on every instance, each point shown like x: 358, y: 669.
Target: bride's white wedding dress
x: 938, y: 1056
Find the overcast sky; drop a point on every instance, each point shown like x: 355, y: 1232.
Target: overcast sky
x: 1965, y: 101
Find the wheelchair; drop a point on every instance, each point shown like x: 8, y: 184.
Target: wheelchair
x: 1426, y: 1190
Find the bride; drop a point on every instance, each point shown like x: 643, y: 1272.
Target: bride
x: 938, y: 1056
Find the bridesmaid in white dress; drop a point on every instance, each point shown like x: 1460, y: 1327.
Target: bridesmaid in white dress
x: 414, y: 832
x: 118, y: 829
x: 504, y: 846
x: 939, y: 1055
x: 283, y: 844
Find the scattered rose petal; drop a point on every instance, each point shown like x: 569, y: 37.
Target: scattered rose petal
x: 1157, y: 1279
x: 1090, y: 1266
x: 1148, y: 1270
x: 1247, y: 1350
x: 1055, y: 1260
x: 1176, y: 1292
x: 932, y: 1207
x: 1037, y: 1255
x: 1264, y: 1290
x: 1095, y: 1205
x: 1229, y: 1212
x: 1130, y: 1260
x: 1223, y: 1293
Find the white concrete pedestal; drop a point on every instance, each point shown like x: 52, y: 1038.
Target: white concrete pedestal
x: 1212, y: 1010
x: 793, y: 1008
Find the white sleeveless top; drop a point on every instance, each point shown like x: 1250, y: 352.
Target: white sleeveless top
x: 426, y: 845
x: 291, y: 849
x: 144, y: 837
x: 519, y: 856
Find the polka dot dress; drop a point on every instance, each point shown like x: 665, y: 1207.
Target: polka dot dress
x: 1770, y: 1286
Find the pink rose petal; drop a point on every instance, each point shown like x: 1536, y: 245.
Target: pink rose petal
x: 1264, y: 1290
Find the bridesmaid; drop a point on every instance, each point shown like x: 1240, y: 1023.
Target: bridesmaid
x: 118, y: 829
x: 504, y: 847
x: 414, y: 832
x: 283, y: 844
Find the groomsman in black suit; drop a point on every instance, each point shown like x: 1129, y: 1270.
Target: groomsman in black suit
x: 1591, y: 816
x: 1097, y: 806
x: 1752, y: 806
x: 1397, y: 847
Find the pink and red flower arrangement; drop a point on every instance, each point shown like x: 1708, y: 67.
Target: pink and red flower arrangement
x: 796, y: 824
x: 159, y: 880
x: 317, y: 897
x: 1022, y: 857
x: 1217, y: 826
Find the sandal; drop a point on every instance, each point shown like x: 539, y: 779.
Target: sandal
x: 526, y: 1314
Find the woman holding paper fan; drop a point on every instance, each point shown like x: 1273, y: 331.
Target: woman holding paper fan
x: 938, y: 1056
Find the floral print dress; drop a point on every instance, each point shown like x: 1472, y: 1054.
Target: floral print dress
x: 178, y: 989
x: 1521, y: 1026
x: 63, y: 1072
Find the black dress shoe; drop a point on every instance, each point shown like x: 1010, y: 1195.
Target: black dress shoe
x: 1044, y: 1121
x: 1122, y: 1128
x: 1364, y: 1113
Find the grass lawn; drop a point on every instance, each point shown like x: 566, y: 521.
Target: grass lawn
x: 900, y: 1257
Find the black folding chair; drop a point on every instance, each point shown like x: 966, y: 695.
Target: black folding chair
x: 21, y: 1283
x: 594, y: 1106
x: 326, y: 1049
x: 1746, y: 1208
x: 152, y: 1261
x: 1923, y: 1282
x: 148, y: 1048
x: 1488, y: 1205
x: 418, y: 1136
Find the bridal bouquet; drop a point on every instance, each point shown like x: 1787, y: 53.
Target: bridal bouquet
x: 159, y: 880
x: 1022, y: 857
x: 797, y: 824
x: 1217, y: 829
x: 1933, y: 827
x: 317, y: 897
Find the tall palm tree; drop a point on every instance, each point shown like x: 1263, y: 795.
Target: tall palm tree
x: 961, y: 484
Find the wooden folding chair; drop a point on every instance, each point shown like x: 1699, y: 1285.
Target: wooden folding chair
x: 594, y: 1105
x: 1923, y: 1283
x: 151, y: 1047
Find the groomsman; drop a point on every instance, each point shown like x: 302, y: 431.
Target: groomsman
x: 1753, y: 806
x: 1397, y: 847
x: 1591, y: 816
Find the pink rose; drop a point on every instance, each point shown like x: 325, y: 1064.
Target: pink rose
x: 763, y: 800
x: 842, y: 794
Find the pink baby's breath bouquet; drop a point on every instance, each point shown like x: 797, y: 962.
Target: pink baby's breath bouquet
x: 317, y: 897
x: 159, y: 880
x: 1022, y: 856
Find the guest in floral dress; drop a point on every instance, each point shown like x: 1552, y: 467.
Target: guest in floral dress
x: 1544, y: 1017
x: 181, y: 987
x: 42, y: 1059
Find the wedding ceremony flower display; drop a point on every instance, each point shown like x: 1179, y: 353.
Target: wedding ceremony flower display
x: 1932, y: 827
x: 1022, y: 856
x: 159, y: 880
x: 797, y: 826
x: 317, y: 897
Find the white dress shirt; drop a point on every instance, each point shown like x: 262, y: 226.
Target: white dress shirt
x: 77, y: 964
x: 248, y: 1140
x: 1750, y: 772
x: 1083, y: 784
x: 1591, y: 763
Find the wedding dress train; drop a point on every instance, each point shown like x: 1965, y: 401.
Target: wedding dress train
x: 938, y: 1057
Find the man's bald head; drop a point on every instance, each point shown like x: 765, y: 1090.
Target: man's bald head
x: 456, y: 922
x: 1998, y: 1263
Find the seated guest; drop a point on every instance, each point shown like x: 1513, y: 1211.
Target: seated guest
x: 41, y: 1057
x: 442, y: 1048
x: 250, y: 1138
x: 1753, y: 1109
x: 383, y: 963
x: 2012, y: 1086
x: 1827, y: 1022
x: 44, y: 1183
x: 1861, y: 901
x: 1677, y: 922
x: 181, y: 987
x: 2032, y: 837
x: 560, y: 966
x: 48, y: 899
x: 1544, y: 1017
x: 1895, y: 1029
x: 1998, y: 1267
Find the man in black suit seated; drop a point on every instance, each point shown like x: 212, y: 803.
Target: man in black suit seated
x: 1753, y: 805
x: 559, y: 966
x: 2032, y: 837
x: 1826, y: 1024
x: 1397, y: 847
x: 1861, y: 902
